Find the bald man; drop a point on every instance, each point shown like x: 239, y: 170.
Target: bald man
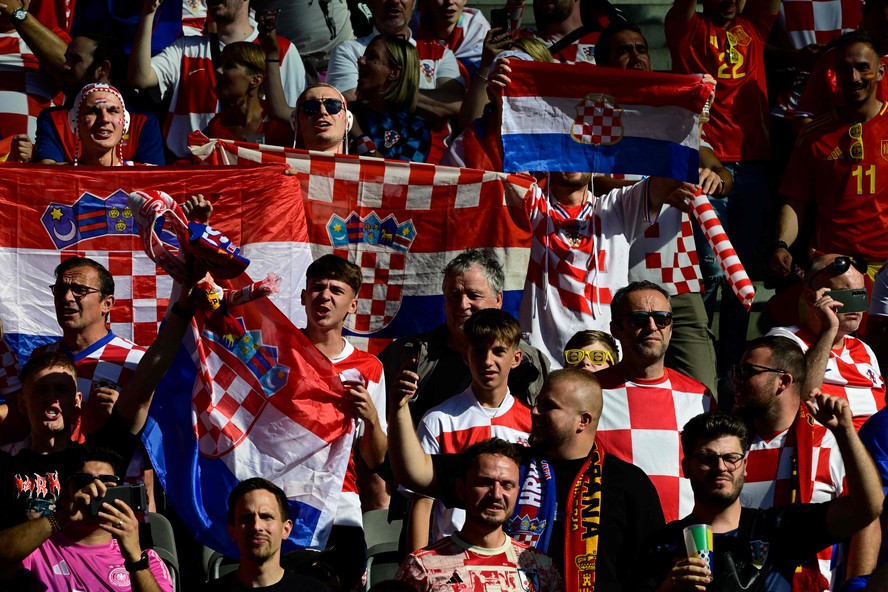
x: 603, y: 494
x: 838, y: 362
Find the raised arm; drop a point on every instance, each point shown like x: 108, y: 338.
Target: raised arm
x: 787, y: 231
x: 863, y: 504
x: 48, y: 47
x: 682, y: 9
x: 669, y: 191
x: 823, y: 310
x: 141, y: 74
x: 410, y: 463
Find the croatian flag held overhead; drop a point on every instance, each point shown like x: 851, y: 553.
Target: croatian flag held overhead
x: 578, y: 118
x: 254, y: 400
x: 401, y: 222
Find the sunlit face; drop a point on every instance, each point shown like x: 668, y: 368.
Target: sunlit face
x: 757, y: 395
x: 79, y: 314
x: 587, y: 364
x: 101, y: 122
x: 490, y: 364
x: 391, y: 16
x: 648, y: 342
x: 78, y: 64
x: 489, y: 490
x: 259, y: 529
x: 49, y: 399
x: 629, y: 51
x: 858, y: 72
x: 328, y: 302
x: 322, y: 131
x: 556, y: 417
x: 375, y: 70
x: 465, y: 294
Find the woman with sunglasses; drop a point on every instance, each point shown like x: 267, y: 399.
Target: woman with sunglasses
x: 590, y: 350
x: 240, y: 84
x: 387, y: 92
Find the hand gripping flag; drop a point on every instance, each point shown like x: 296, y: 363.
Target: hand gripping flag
x: 401, y: 223
x: 247, y: 395
x: 559, y: 117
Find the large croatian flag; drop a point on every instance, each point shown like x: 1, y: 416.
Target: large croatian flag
x: 262, y: 402
x: 559, y: 117
x: 401, y: 223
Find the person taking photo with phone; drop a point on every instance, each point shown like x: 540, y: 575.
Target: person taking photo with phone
x: 89, y: 544
x: 839, y: 363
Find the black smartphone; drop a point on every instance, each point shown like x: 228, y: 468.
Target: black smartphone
x: 411, y: 361
x: 499, y: 19
x: 132, y: 495
x: 854, y: 300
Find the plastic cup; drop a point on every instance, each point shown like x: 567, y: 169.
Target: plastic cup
x: 698, y: 542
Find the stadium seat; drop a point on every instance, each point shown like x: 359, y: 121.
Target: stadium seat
x: 382, y: 546
x: 217, y: 565
x: 165, y: 545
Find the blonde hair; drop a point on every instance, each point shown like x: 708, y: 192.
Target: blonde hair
x: 534, y: 48
x: 403, y: 93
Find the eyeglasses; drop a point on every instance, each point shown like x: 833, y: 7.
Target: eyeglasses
x: 856, y: 134
x: 840, y: 265
x: 639, y: 318
x: 313, y: 106
x: 596, y: 356
x: 81, y: 480
x: 744, y: 372
x: 708, y: 462
x: 78, y: 290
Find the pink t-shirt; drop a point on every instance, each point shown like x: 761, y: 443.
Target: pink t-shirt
x: 63, y: 566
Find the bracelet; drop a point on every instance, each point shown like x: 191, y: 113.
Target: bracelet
x: 273, y: 61
x: 481, y: 76
x: 363, y: 145
x: 181, y: 313
x: 780, y: 245
x: 54, y: 521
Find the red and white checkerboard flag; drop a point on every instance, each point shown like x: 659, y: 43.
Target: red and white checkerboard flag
x: 401, y: 222
x: 724, y: 251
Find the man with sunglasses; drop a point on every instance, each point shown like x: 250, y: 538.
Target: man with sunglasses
x: 839, y: 363
x: 82, y: 551
x: 837, y: 166
x: 644, y: 401
x: 791, y: 458
x: 757, y: 549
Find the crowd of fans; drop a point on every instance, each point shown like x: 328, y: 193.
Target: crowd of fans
x: 566, y: 449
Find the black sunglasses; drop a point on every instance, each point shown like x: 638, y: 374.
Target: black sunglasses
x: 313, y: 106
x: 744, y: 372
x: 81, y: 480
x: 840, y: 265
x: 639, y: 318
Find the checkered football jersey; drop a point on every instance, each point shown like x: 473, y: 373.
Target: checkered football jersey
x: 459, y: 422
x: 9, y: 370
x: 803, y: 22
x: 349, y: 359
x: 578, y: 259
x: 641, y: 423
x: 852, y: 373
x: 24, y: 90
x: 111, y: 358
x: 769, y: 473
x: 185, y: 69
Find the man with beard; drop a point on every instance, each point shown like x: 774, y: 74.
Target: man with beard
x: 768, y: 384
x: 837, y: 166
x: 573, y: 499
x: 757, y: 549
x: 839, y: 363
x: 258, y: 523
x: 184, y: 70
x: 644, y: 401
x: 488, y: 488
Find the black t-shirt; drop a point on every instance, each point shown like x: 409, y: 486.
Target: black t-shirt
x: 30, y: 483
x: 289, y: 583
x: 630, y: 514
x: 760, y: 556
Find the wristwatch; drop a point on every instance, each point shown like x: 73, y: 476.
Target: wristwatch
x: 18, y: 15
x: 134, y: 566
